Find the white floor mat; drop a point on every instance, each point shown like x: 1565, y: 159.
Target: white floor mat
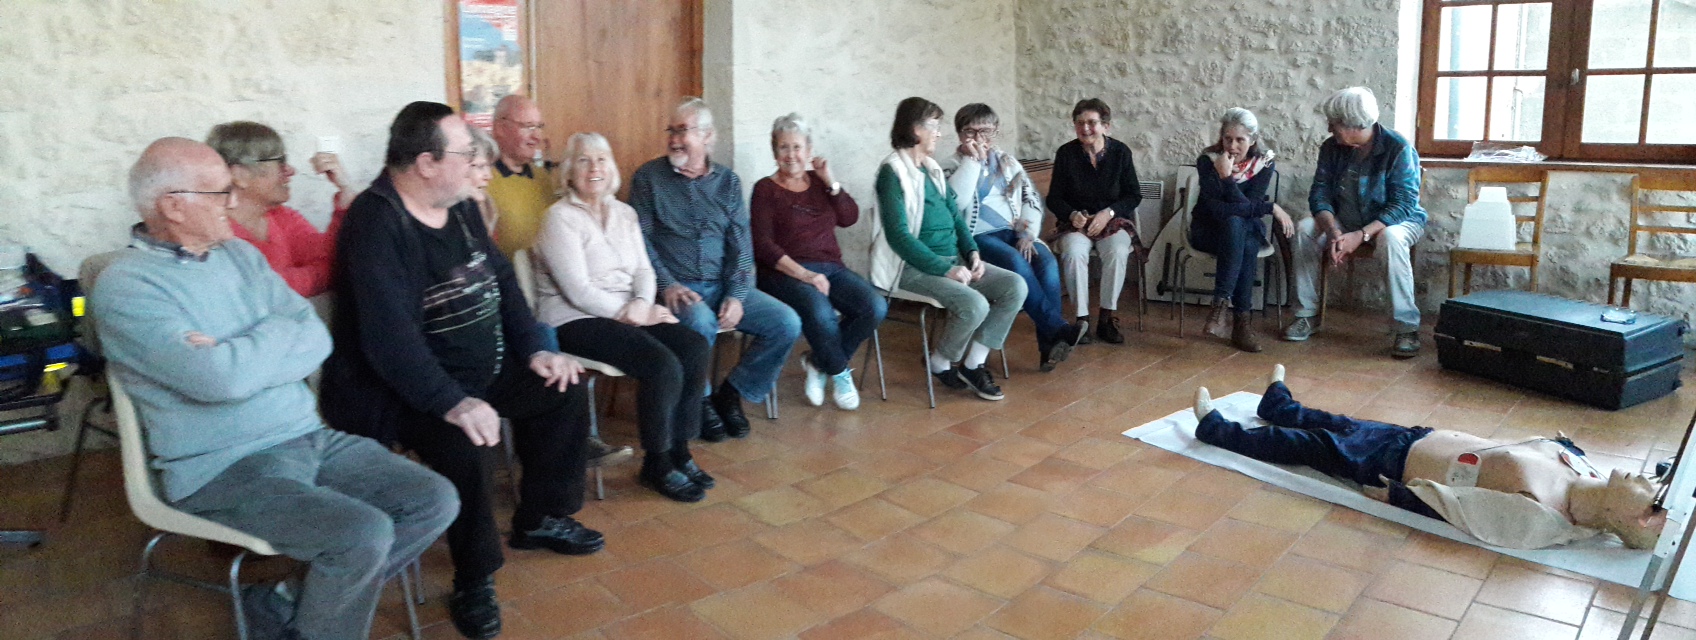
x: 1600, y: 556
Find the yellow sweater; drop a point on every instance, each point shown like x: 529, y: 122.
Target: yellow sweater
x: 523, y: 203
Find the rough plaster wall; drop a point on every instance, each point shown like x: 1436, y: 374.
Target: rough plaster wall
x: 88, y: 83
x: 845, y: 65
x: 1169, y: 69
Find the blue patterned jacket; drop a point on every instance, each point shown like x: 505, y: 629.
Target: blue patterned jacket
x: 1389, y: 190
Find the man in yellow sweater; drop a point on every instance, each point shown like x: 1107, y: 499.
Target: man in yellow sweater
x: 523, y: 187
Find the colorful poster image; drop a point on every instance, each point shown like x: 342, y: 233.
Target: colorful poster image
x: 491, y: 65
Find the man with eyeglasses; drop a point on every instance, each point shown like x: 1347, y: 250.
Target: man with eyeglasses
x: 214, y: 348
x: 435, y: 344
x: 523, y: 186
x: 696, y: 226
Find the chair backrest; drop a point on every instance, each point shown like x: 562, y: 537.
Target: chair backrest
x: 1516, y: 176
x: 87, y: 274
x: 1649, y: 191
x: 144, y: 497
x: 526, y: 273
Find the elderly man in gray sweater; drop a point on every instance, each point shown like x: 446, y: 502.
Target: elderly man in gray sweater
x: 215, y: 350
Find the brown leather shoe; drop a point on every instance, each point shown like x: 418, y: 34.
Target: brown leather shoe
x: 1242, y: 332
x: 1219, y: 320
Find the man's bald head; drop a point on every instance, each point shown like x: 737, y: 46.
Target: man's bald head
x: 518, y: 129
x: 182, y: 189
x: 170, y: 164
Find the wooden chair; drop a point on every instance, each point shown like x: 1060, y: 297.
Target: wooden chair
x: 1524, y: 254
x: 1365, y: 251
x: 1665, y: 267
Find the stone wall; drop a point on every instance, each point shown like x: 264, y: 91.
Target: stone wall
x: 1170, y: 68
x: 844, y: 66
x: 88, y: 83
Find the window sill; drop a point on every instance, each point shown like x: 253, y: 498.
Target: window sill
x: 1554, y: 165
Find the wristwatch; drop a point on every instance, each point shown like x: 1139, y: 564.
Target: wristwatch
x: 835, y: 187
x: 1365, y: 236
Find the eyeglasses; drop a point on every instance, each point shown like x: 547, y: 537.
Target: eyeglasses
x: 280, y: 160
x: 679, y: 131
x: 527, y: 127
x: 988, y: 133
x: 470, y: 156
x: 228, y: 194
x: 933, y: 126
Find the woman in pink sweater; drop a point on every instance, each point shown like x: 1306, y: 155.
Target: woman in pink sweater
x: 294, y: 248
x: 595, y: 285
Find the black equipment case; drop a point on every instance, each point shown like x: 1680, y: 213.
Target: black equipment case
x: 1562, y: 347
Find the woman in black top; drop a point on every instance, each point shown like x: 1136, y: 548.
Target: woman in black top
x: 1094, y: 197
x: 1232, y: 178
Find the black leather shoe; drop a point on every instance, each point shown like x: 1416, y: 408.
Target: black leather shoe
x: 950, y: 378
x: 475, y: 612
x: 673, y: 485
x: 712, y: 427
x: 1107, y: 330
x: 559, y: 535
x: 728, y: 401
x: 696, y: 475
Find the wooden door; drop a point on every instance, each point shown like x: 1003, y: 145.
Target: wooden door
x: 616, y: 68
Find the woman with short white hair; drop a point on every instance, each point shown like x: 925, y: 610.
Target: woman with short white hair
x: 595, y: 285
x: 794, y: 214
x: 1232, y: 178
x: 1365, y: 190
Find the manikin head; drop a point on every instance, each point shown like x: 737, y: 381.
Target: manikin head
x: 1628, y: 510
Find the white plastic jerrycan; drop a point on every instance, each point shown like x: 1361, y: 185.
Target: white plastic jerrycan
x: 1488, y: 222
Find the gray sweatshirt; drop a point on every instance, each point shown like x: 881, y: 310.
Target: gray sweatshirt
x: 204, y: 408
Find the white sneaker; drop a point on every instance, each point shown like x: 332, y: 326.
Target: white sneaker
x: 844, y: 392
x: 815, y: 381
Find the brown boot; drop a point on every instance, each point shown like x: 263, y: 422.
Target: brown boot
x: 1218, y: 320
x: 1242, y: 333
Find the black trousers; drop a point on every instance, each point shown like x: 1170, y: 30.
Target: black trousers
x: 549, y: 430
x: 669, y: 363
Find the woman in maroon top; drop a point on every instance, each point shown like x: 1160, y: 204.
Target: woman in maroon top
x: 795, y: 213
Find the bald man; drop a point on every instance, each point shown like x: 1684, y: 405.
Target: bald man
x: 523, y: 186
x: 215, y: 349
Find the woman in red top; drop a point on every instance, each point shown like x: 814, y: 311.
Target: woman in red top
x: 295, y: 249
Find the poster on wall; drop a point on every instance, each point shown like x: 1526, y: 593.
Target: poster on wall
x: 491, y: 61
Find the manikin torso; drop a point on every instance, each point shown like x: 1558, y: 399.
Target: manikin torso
x: 1532, y: 468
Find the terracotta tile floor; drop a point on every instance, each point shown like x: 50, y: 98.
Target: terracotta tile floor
x: 1029, y: 518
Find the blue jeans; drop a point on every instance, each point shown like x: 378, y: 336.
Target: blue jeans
x: 1235, y: 246
x: 1041, y: 274
x: 773, y: 325
x: 1336, y: 445
x: 833, y: 340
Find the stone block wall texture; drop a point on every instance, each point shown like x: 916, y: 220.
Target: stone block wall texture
x: 88, y: 83
x: 844, y: 66
x: 1169, y: 69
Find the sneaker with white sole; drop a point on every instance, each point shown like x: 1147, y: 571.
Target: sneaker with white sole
x: 844, y: 392
x: 814, y: 386
x: 1299, y: 330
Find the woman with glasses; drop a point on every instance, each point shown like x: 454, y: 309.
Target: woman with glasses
x: 1094, y: 197
x: 260, y: 167
x: 926, y: 248
x: 1004, y: 212
x: 794, y: 216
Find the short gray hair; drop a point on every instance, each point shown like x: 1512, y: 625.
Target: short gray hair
x: 697, y: 106
x: 1240, y: 117
x: 244, y: 142
x: 484, y: 145
x: 792, y: 123
x: 156, y: 174
x: 1354, y: 107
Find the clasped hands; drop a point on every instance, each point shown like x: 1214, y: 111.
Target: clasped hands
x: 479, y: 420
